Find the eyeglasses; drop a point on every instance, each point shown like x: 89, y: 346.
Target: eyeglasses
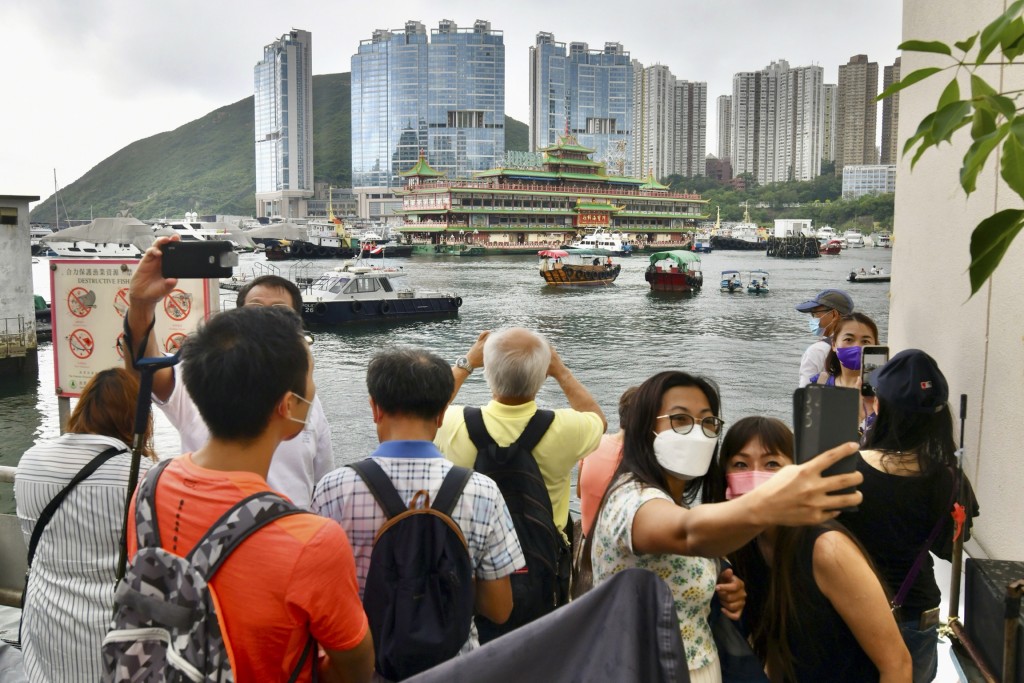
x: 682, y: 423
x: 308, y: 337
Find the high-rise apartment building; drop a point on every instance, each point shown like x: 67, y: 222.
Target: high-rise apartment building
x: 778, y: 122
x: 856, y: 113
x: 589, y: 92
x: 669, y: 123
x: 443, y: 97
x: 890, y: 115
x: 724, y: 127
x: 283, y: 105
x: 828, y: 149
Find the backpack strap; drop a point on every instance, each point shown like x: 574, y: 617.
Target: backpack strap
x: 528, y: 440
x: 451, y: 489
x: 241, y: 521
x: 478, y: 433
x: 380, y: 486
x: 146, y: 529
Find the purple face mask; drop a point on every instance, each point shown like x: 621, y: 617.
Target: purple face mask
x: 849, y: 357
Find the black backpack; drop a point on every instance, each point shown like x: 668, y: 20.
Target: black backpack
x: 544, y: 584
x: 419, y: 595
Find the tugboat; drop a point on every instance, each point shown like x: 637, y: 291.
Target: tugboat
x: 742, y: 237
x: 674, y: 271
x: 579, y: 267
x: 355, y: 293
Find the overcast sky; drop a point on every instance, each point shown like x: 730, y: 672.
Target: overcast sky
x: 84, y: 79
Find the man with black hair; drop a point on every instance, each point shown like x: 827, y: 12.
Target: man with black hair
x: 409, y: 391
x: 302, y: 461
x: 251, y: 373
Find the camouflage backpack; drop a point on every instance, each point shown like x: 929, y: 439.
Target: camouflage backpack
x: 165, y: 618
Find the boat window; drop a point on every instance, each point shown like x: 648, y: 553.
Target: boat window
x: 337, y: 285
x: 368, y: 284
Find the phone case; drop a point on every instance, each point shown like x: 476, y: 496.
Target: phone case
x: 206, y: 259
x: 825, y: 417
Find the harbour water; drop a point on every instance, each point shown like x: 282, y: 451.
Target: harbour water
x: 610, y: 337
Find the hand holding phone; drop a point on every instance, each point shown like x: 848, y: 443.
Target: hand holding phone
x: 825, y: 417
x: 873, y: 358
x: 205, y: 259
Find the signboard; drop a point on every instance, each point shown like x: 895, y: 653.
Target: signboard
x: 593, y: 219
x: 90, y: 299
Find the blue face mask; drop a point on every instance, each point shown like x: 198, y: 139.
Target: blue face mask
x: 813, y: 326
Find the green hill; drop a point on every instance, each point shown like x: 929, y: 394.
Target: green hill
x: 207, y: 165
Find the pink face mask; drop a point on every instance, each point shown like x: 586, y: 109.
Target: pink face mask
x: 738, y: 483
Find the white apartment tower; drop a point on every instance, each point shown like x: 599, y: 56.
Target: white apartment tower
x: 283, y: 107
x: 725, y: 127
x: 669, y: 123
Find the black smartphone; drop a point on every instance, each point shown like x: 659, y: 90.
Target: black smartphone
x: 205, y: 259
x: 873, y: 358
x: 825, y: 417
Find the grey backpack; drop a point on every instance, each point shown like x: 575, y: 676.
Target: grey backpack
x: 165, y: 621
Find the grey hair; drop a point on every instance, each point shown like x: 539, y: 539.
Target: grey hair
x: 515, y: 369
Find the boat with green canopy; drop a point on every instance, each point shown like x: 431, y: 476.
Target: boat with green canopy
x: 674, y: 271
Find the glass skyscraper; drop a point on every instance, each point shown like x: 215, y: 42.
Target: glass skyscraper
x: 283, y: 104
x: 590, y: 92
x: 444, y: 97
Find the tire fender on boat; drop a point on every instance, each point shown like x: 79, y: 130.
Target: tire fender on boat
x: 320, y: 309
x: 458, y: 302
x: 385, y: 307
x: 307, y: 248
x: 357, y: 306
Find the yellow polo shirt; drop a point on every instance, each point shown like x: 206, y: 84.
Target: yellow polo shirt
x: 570, y: 437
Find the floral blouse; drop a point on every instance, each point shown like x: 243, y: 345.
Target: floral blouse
x: 691, y: 579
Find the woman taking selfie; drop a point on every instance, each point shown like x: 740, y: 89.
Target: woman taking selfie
x: 816, y: 610
x: 645, y: 519
x: 70, y: 596
x: 909, y: 469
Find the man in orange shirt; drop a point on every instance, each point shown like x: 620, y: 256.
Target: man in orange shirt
x: 250, y: 374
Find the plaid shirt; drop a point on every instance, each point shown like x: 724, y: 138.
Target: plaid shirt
x: 412, y: 466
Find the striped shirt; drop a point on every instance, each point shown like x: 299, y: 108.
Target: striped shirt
x: 71, y: 593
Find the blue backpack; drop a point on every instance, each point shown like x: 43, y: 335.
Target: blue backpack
x: 419, y: 595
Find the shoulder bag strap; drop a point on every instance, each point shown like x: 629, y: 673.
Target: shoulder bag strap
x: 377, y: 480
x: 535, y: 429
x: 478, y: 433
x: 915, y: 569
x: 451, y: 489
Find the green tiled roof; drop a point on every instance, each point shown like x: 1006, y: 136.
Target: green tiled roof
x: 422, y: 169
x: 597, y: 206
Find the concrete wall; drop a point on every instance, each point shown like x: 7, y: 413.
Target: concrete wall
x: 16, y: 299
x: 978, y: 342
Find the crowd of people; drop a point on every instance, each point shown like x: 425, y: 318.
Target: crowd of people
x: 329, y: 585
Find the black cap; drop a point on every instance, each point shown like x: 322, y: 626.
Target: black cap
x: 912, y: 381
x: 829, y: 298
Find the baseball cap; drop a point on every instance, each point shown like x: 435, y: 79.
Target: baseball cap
x: 912, y: 381
x: 829, y: 298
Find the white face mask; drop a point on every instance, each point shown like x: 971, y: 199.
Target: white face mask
x: 304, y: 423
x: 686, y: 456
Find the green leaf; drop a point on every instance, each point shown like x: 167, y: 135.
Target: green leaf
x: 977, y: 155
x: 994, y: 34
x: 1001, y: 104
x: 1013, y: 164
x: 1013, y: 40
x: 910, y: 80
x: 923, y: 128
x: 989, y: 242
x: 980, y: 87
x: 950, y: 94
x: 933, y: 46
x: 984, y: 123
x: 950, y: 118
x: 966, y: 44
x: 926, y: 141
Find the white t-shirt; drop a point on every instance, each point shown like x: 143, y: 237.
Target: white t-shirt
x: 813, y: 360
x: 298, y: 464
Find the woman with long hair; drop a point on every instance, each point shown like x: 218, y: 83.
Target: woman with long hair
x: 842, y: 364
x: 645, y: 519
x: 910, y: 482
x: 70, y: 595
x: 816, y: 610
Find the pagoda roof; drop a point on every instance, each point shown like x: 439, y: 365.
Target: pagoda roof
x: 555, y: 175
x: 651, y: 183
x: 598, y: 206
x: 568, y: 143
x: 422, y: 169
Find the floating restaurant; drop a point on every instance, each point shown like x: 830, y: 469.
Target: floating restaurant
x: 558, y: 200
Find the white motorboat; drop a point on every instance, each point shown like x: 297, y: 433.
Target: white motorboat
x: 825, y: 234
x: 611, y: 242
x: 118, y: 237
x: 191, y: 229
x: 854, y: 239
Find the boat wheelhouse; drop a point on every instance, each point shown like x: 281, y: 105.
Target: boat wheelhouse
x: 674, y: 271
x: 554, y: 199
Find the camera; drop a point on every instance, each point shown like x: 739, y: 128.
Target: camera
x: 205, y: 259
x: 825, y: 417
x: 873, y: 358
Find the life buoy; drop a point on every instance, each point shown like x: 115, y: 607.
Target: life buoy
x: 385, y: 307
x: 458, y: 302
x: 320, y: 309
x: 357, y: 306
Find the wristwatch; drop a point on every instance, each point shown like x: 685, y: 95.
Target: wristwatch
x: 463, y: 362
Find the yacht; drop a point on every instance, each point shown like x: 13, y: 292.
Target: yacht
x: 191, y: 229
x: 853, y: 238
x: 825, y: 234
x: 118, y: 237
x: 612, y: 242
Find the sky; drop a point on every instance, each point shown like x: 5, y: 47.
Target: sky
x: 85, y: 79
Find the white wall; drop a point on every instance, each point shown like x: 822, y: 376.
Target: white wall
x: 978, y: 342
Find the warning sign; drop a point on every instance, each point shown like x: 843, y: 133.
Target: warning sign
x: 81, y: 343
x: 178, y: 305
x: 173, y: 342
x: 121, y: 301
x: 81, y: 301
x: 90, y: 323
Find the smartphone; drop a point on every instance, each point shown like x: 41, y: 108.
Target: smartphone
x: 873, y: 358
x: 825, y: 417
x: 205, y: 259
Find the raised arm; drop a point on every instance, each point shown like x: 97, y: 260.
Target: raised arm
x: 475, y: 356
x: 797, y: 495
x: 579, y: 398
x: 145, y: 292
